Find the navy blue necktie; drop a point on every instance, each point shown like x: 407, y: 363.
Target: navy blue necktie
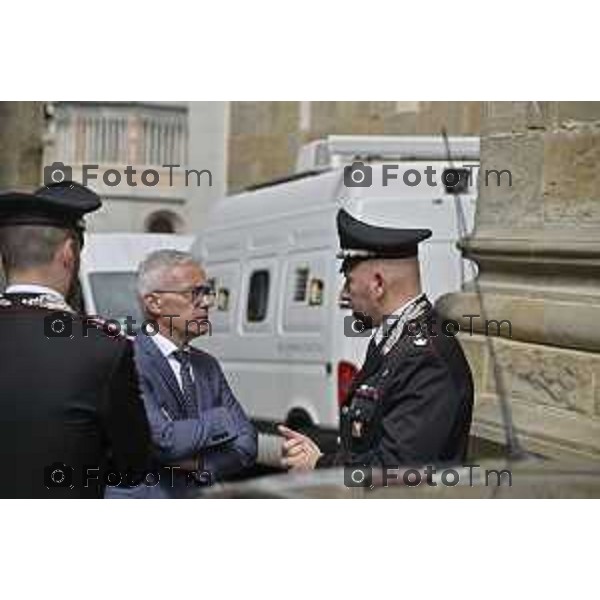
x: 187, y: 383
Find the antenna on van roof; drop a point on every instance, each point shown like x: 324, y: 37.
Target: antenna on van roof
x: 513, y: 446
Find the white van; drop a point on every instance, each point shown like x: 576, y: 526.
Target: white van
x: 277, y: 328
x: 109, y: 264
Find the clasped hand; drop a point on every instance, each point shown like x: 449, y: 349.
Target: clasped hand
x: 298, y: 451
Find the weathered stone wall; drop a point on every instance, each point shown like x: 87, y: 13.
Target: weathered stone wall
x: 265, y: 136
x: 21, y: 146
x: 537, y: 244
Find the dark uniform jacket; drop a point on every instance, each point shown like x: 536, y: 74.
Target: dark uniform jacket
x: 66, y: 403
x: 411, y: 406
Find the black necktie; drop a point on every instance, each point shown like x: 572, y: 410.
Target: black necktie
x: 187, y: 383
x: 372, y: 349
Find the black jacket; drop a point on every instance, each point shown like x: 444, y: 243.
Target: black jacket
x: 65, y: 400
x: 411, y: 406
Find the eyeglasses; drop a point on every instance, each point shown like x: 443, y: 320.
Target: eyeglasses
x: 205, y: 293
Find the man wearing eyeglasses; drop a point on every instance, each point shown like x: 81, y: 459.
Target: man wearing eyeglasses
x: 199, y: 429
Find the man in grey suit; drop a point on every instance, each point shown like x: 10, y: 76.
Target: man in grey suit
x: 198, y: 427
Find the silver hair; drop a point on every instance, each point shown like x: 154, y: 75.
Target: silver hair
x: 152, y: 270
x: 29, y: 246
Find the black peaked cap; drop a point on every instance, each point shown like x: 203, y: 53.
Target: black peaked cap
x: 359, y: 239
x: 61, y: 204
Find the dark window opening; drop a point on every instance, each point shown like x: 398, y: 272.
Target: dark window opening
x: 301, y: 281
x: 164, y: 221
x: 258, y: 297
x: 161, y: 224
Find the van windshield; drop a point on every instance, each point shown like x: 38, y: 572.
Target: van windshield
x: 115, y: 296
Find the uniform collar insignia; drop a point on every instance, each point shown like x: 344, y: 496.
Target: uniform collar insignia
x: 420, y: 340
x: 46, y: 301
x: 417, y: 308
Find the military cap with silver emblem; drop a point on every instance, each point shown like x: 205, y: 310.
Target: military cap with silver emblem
x: 361, y: 241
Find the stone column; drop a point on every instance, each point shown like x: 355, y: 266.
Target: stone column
x: 537, y: 245
x: 21, y: 148
x: 21, y: 144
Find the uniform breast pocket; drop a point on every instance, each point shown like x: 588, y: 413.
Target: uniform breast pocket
x: 364, y: 412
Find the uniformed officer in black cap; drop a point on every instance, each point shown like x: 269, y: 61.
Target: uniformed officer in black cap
x: 412, y: 401
x: 71, y: 411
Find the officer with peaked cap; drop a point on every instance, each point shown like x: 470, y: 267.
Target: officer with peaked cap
x: 69, y: 399
x: 411, y: 403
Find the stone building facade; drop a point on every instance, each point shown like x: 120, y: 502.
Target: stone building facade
x: 112, y: 136
x: 264, y: 137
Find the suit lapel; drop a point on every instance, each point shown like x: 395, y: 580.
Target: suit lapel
x: 200, y: 382
x: 164, y: 370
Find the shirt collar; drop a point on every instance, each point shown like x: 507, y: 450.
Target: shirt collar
x: 165, y: 345
x: 398, y: 314
x: 32, y: 288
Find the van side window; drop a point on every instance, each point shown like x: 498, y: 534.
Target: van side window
x: 258, y: 297
x: 301, y: 282
x: 223, y: 299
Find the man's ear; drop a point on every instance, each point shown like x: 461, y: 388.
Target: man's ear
x: 152, y: 304
x: 67, y: 253
x: 378, y: 283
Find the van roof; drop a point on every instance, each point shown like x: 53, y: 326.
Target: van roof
x: 296, y: 197
x: 124, y: 251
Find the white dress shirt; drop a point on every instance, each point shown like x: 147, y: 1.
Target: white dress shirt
x: 167, y: 348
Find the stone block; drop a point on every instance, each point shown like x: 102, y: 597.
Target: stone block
x: 258, y: 158
x: 571, y: 178
x: 585, y: 112
x: 547, y: 376
x: 516, y: 117
x: 516, y: 206
x: 263, y: 118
